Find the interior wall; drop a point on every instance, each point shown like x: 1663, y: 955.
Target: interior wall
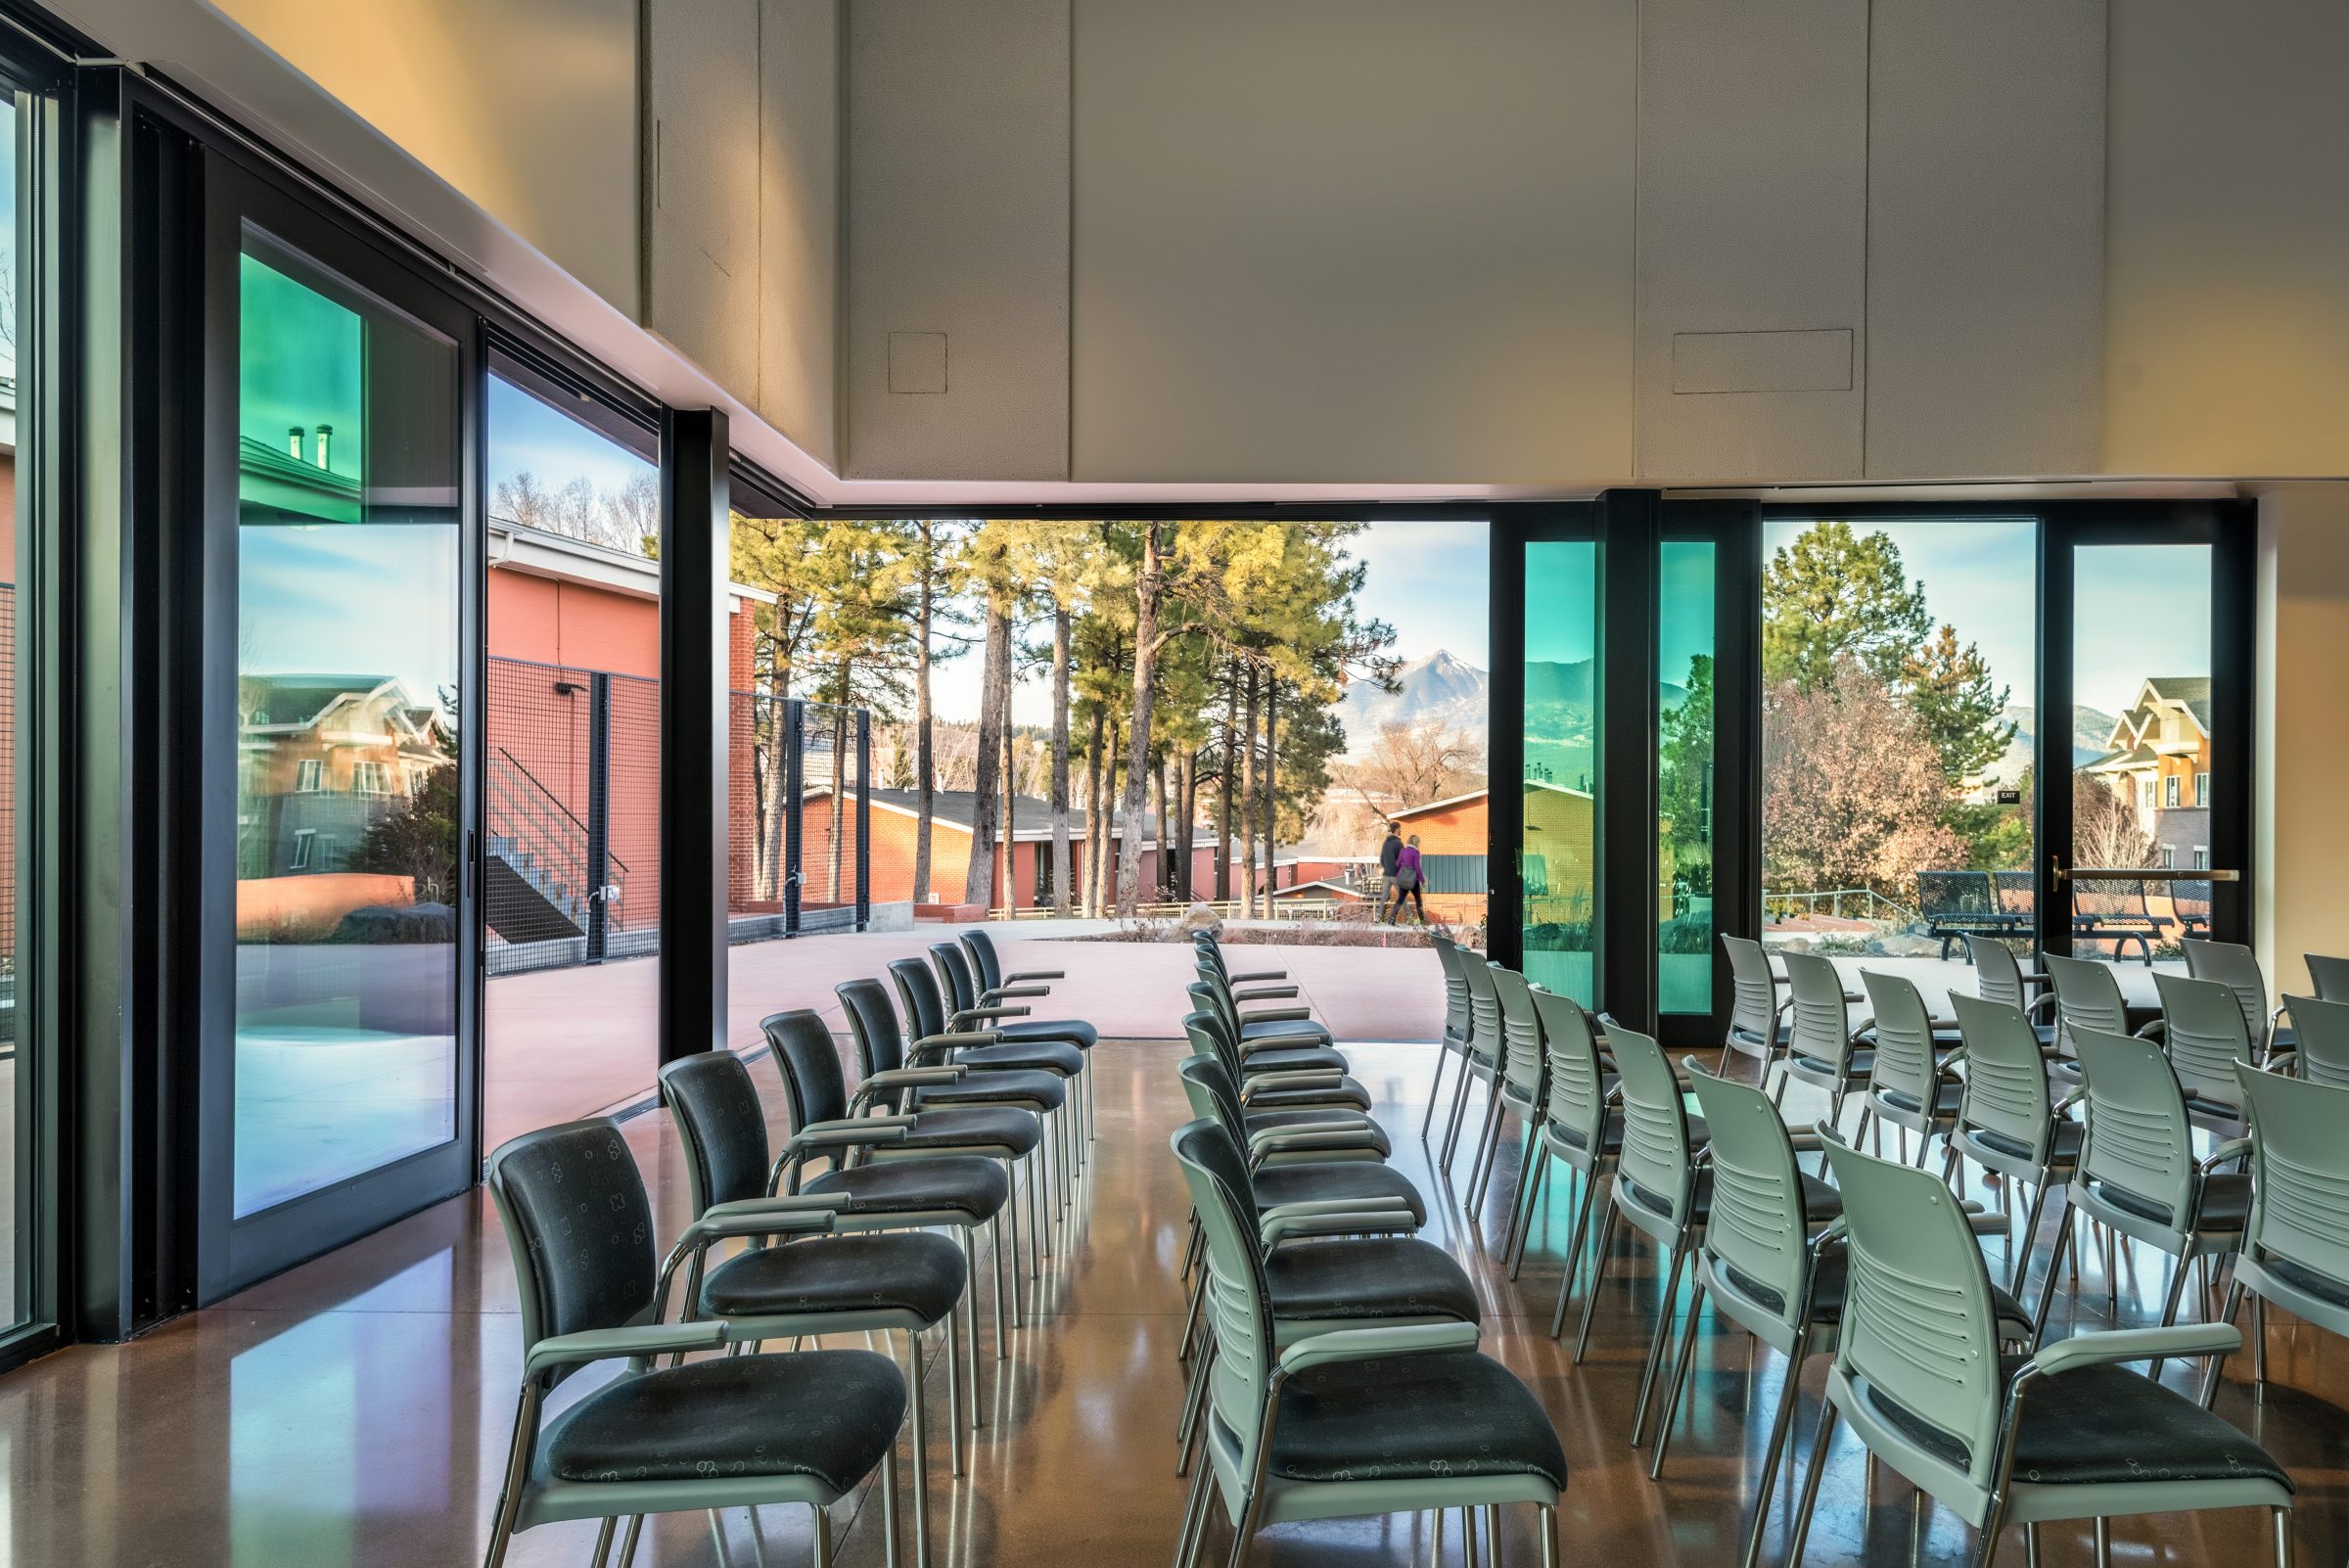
x: 799, y: 222
x: 1353, y: 240
x: 956, y: 352
x: 2227, y: 239
x: 2302, y: 751
x: 527, y: 107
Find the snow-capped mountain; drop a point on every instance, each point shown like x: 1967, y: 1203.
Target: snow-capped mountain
x: 1439, y: 689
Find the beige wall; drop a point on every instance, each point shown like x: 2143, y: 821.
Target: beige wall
x: 2303, y: 747
x: 527, y: 107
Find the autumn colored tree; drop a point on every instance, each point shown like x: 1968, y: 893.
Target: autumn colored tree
x: 1852, y: 792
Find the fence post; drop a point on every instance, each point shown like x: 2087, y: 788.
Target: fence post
x: 599, y: 811
x: 864, y: 818
x: 793, y: 741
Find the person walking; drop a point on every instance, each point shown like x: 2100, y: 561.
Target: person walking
x: 1388, y: 854
x: 1409, y: 880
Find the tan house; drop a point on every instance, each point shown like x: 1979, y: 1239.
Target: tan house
x: 2159, y: 762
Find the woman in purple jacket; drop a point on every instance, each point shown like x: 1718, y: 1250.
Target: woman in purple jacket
x: 1410, y: 879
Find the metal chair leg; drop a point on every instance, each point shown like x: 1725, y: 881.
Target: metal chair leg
x: 1683, y: 1370
x: 1780, y: 1427
x: 1665, y: 1312
x: 2046, y: 1289
x: 823, y: 1535
x: 1808, y: 1498
x: 921, y: 1450
x: 1194, y: 1517
x: 2283, y: 1537
x: 1599, y: 1277
x: 1435, y: 1092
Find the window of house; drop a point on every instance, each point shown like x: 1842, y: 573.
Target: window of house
x: 2166, y: 856
x: 2201, y: 789
x: 309, y: 775
x: 2201, y: 857
x: 373, y: 778
x: 2169, y: 790
x: 304, y: 841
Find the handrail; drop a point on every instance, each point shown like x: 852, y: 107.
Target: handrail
x: 555, y: 800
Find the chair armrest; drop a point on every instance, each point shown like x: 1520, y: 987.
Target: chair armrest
x: 2112, y: 1345
x: 1305, y: 1227
x: 956, y: 1039
x: 968, y: 1014
x: 1026, y: 975
x: 1353, y: 1206
x: 1277, y: 1042
x: 1366, y: 1344
x: 999, y: 992
x: 640, y: 1340
x: 851, y: 1133
x: 1276, y: 1015
x: 2231, y: 1149
x: 753, y: 1217
x: 2159, y: 1029
x: 1282, y: 1080
x: 911, y: 1077
x: 1284, y: 1141
x: 2285, y: 1063
x: 1256, y: 976
x: 1264, y: 993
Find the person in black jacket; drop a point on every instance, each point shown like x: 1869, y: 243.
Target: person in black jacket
x: 1389, y: 854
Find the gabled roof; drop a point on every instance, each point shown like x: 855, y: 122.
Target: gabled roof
x: 302, y: 701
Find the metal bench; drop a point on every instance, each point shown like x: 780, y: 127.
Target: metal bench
x: 2115, y: 910
x: 1957, y: 904
x: 2190, y: 902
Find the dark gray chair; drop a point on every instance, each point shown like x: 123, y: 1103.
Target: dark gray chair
x: 736, y: 1431
x: 2329, y: 976
x: 2320, y: 1048
x: 987, y: 969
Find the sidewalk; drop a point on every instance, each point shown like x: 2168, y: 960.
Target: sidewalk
x: 568, y: 1042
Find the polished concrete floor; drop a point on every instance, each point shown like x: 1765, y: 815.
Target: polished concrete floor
x: 355, y: 1410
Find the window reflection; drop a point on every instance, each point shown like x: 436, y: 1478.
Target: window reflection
x: 1559, y: 853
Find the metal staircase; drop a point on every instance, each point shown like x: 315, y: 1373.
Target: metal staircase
x: 536, y: 882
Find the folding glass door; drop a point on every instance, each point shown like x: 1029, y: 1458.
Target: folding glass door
x: 341, y: 976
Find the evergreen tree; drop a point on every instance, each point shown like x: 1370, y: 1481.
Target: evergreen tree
x: 1833, y: 595
x: 1957, y: 708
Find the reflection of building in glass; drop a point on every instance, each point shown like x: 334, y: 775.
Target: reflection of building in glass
x: 321, y: 760
x: 2159, y: 764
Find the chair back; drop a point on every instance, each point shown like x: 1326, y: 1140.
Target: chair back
x: 579, y: 1228
x: 1904, y: 1039
x: 1237, y: 1303
x: 1455, y: 991
x: 1210, y: 1088
x: 2320, y: 1030
x: 2299, y: 1173
x: 1758, y: 1229
x: 2329, y: 977
x: 1656, y: 1169
x: 1485, y: 1042
x: 2139, y: 1145
x: 1996, y: 976
x: 715, y: 1106
x: 1522, y: 1064
x: 917, y: 990
x: 984, y: 959
x: 1919, y: 1336
x: 953, y: 976
x: 1578, y: 1096
x: 1822, y: 1027
x: 1204, y: 1025
x: 2087, y: 996
x: 2006, y: 1076
x: 813, y: 1086
x: 1214, y: 995
x: 2237, y: 967
x: 1753, y: 991
x: 2202, y: 1029
x: 872, y: 1025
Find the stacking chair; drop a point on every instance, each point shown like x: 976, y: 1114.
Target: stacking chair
x: 2000, y: 978
x: 956, y: 1192
x: 1057, y: 1044
x: 1266, y: 1048
x: 1521, y: 1085
x: 1482, y: 1063
x: 2007, y: 1119
x: 1353, y: 1422
x: 2329, y: 977
x: 1360, y: 1130
x: 1454, y: 1041
x: 2068, y: 1434
x: 1823, y: 1047
x: 1577, y: 1122
x: 2138, y: 1175
x: 2297, y: 1248
x: 1660, y: 1190
x: 1913, y: 1086
x: 1294, y: 1023
x: 1273, y: 1076
x: 1771, y: 1263
x: 2087, y: 996
x: 2237, y: 967
x: 990, y: 965
x: 1757, y: 1017
x: 736, y: 1431
x: 1334, y: 1165
x: 902, y: 1281
x: 987, y: 969
x: 2320, y: 1048
x: 2202, y: 1031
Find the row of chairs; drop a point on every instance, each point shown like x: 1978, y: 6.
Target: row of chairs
x: 864, y: 1222
x: 1933, y: 1360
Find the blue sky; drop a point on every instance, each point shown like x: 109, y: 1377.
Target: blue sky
x: 526, y: 435
x: 374, y: 599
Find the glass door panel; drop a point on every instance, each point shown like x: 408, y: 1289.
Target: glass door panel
x: 1558, y: 855
x: 2145, y: 743
x: 1685, y: 777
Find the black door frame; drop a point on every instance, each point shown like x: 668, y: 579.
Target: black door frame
x: 231, y: 1252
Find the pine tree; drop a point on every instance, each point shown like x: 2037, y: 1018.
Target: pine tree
x: 1833, y: 595
x: 1956, y: 708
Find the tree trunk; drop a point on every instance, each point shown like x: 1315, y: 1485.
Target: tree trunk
x: 840, y: 775
x: 924, y: 771
x: 1186, y: 807
x: 1011, y: 801
x: 1231, y: 729
x: 1272, y: 825
x: 1092, y: 816
x: 1061, y: 885
x: 987, y: 786
x: 771, y: 805
x: 1248, y: 798
x: 1149, y: 584
x: 1163, y: 836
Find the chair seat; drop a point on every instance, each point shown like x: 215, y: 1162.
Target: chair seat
x: 1382, y: 1276
x: 2226, y: 1203
x: 915, y: 1272
x: 967, y: 1183
x: 996, y: 1086
x: 1410, y: 1418
x: 1053, y: 1056
x: 1610, y: 1138
x: 1346, y: 1093
x: 2062, y: 1154
x: 1068, y: 1031
x: 987, y: 1127
x: 1304, y: 1029
x: 1303, y: 1059
x: 1322, y: 1118
x: 1945, y: 1100
x: 1832, y: 1281
x: 2106, y: 1425
x: 1349, y: 1179
x: 1862, y: 1064
x: 830, y: 1416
